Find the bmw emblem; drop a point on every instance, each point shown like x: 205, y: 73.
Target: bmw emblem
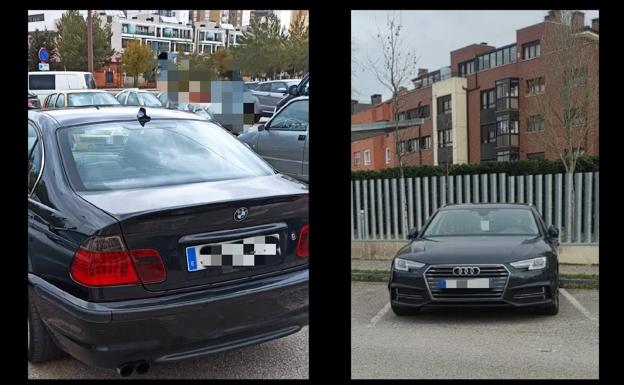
x: 240, y: 214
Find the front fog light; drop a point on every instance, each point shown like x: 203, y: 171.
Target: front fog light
x: 406, y: 265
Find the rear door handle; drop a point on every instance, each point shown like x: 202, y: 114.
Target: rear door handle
x: 302, y: 137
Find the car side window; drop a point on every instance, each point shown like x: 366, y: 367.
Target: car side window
x: 122, y: 97
x: 293, y: 117
x: 277, y: 85
x: 60, y: 101
x: 264, y: 87
x: 133, y: 100
x: 34, y: 157
x: 305, y: 89
x: 52, y: 101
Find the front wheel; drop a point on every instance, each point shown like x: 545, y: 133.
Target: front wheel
x: 404, y: 310
x: 551, y: 308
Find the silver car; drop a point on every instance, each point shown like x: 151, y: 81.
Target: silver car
x: 283, y: 140
x: 271, y: 92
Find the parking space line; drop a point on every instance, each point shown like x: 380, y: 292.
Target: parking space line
x: 578, y: 305
x: 378, y: 316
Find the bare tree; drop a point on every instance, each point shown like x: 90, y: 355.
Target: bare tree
x: 566, y: 100
x: 393, y: 69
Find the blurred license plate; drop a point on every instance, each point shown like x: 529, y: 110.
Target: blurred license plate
x: 477, y: 283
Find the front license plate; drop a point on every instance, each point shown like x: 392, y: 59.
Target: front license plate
x: 477, y: 283
x: 252, y: 251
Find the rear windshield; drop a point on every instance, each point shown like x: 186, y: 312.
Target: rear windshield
x: 124, y: 155
x: 41, y: 82
x: 482, y: 221
x: 90, y: 99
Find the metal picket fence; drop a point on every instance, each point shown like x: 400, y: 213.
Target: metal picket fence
x: 376, y: 203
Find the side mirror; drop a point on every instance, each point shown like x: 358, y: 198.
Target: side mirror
x: 292, y: 90
x: 413, y: 233
x: 261, y: 128
x: 282, y: 90
x: 553, y: 232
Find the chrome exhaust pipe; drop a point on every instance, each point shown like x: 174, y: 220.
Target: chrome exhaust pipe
x: 125, y: 370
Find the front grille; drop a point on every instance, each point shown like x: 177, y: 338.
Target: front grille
x: 497, y: 274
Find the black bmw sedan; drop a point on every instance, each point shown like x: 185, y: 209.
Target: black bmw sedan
x: 478, y: 255
x: 155, y: 236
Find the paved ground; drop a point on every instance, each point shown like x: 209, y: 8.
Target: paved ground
x: 283, y: 358
x: 384, y: 265
x: 472, y: 343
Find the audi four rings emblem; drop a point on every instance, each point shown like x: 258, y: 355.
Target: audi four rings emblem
x: 466, y: 270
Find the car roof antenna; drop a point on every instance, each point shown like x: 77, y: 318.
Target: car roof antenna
x: 142, y: 117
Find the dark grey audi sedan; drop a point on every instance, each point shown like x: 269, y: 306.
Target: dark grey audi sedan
x: 478, y: 255
x: 155, y: 236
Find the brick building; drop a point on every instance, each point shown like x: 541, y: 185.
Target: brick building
x: 485, y: 106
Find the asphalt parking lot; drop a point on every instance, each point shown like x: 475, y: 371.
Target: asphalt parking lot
x: 488, y: 343
x: 280, y: 359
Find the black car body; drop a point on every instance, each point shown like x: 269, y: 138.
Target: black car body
x: 301, y: 89
x: 150, y: 241
x: 483, y: 267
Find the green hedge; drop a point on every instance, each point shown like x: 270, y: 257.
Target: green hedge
x: 520, y: 167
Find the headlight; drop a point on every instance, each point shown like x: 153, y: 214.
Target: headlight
x: 405, y: 265
x: 531, y: 264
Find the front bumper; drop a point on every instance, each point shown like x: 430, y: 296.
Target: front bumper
x: 174, y: 327
x: 522, y: 288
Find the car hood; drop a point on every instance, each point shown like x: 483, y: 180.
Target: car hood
x: 474, y: 249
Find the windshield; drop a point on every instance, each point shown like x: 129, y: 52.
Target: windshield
x: 149, y: 100
x: 90, y: 99
x: 482, y: 221
x: 122, y: 155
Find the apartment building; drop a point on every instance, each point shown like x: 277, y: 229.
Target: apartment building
x: 482, y: 107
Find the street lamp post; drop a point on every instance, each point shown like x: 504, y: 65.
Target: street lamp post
x: 89, y: 42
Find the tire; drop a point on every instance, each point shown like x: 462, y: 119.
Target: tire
x: 552, y: 308
x: 404, y: 310
x: 41, y: 346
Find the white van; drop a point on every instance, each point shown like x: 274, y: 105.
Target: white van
x: 43, y: 83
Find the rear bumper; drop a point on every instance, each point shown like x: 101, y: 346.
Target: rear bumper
x: 174, y: 327
x: 524, y: 288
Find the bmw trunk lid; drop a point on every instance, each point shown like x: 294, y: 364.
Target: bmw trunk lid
x: 213, y: 232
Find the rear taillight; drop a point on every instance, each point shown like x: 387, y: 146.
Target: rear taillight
x: 31, y: 102
x: 302, y: 244
x: 105, y: 261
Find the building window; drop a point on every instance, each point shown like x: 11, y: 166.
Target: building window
x: 387, y: 158
x: 428, y: 79
x: 531, y: 50
x: 444, y: 105
x: 503, y: 156
x: 356, y: 159
x: 425, y: 142
x: 535, y: 155
x: 488, y: 99
x: 367, y: 159
x: 535, y: 123
x: 488, y: 133
x: 420, y: 112
x: 575, y: 117
x: 507, y: 94
x: 535, y: 86
x: 37, y: 17
x: 445, y: 138
x: 467, y: 67
x: 575, y: 78
x: 506, y: 131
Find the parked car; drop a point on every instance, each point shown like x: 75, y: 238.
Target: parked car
x: 43, y: 83
x: 270, y: 93
x: 33, y: 101
x: 164, y: 100
x: 296, y: 90
x: 252, y: 85
x: 138, y: 97
x: 79, y: 98
x: 283, y: 140
x: 215, y: 259
x: 496, y: 254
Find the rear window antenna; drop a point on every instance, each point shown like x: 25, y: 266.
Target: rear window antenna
x: 142, y: 117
